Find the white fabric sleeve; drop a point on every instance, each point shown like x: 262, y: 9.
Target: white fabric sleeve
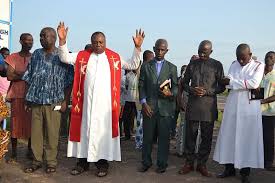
x: 229, y: 76
x: 65, y: 56
x: 132, y: 63
x: 251, y: 83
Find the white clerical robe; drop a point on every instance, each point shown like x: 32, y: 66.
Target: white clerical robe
x: 96, y: 140
x: 240, y: 139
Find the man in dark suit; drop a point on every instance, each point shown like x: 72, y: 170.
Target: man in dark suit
x: 158, y: 105
x: 202, y: 80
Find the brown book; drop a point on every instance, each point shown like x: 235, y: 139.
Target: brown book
x: 166, y: 84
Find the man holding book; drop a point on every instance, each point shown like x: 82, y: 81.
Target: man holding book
x: 240, y: 140
x: 157, y: 91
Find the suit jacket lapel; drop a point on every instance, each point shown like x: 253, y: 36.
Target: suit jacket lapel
x: 153, y: 68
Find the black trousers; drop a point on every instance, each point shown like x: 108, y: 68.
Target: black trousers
x: 243, y: 171
x: 121, y: 120
x: 101, y: 164
x: 191, y: 137
x: 268, y: 134
x: 128, y: 117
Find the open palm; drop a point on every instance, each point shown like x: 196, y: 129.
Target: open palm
x: 138, y: 39
x: 62, y: 31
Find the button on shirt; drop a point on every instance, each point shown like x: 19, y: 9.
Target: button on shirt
x: 47, y: 77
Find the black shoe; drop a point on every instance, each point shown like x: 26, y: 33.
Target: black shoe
x: 269, y: 167
x: 79, y: 170
x: 160, y: 170
x: 227, y: 173
x: 245, y: 179
x: 143, y: 168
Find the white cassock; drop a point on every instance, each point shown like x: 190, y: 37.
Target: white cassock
x: 240, y: 139
x: 96, y: 140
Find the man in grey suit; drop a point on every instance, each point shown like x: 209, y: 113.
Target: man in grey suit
x: 158, y: 105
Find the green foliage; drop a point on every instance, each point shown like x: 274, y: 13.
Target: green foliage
x: 219, y: 120
x: 225, y: 93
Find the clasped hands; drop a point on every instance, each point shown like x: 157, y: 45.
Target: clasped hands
x: 198, y: 91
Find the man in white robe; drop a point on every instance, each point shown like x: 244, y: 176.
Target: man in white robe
x: 96, y: 142
x: 240, y: 140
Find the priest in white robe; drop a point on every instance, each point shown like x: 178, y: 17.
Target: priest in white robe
x: 240, y: 140
x: 94, y: 126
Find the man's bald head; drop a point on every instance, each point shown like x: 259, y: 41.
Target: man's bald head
x: 242, y: 48
x: 243, y: 54
x: 160, y: 49
x: 206, y: 43
x: 98, y: 33
x: 48, y: 38
x: 161, y: 41
x: 205, y: 49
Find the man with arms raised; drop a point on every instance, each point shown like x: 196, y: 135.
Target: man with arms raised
x: 94, y: 129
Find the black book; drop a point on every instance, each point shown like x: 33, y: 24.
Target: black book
x: 257, y: 94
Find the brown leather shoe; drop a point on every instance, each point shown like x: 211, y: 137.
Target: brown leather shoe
x: 203, y: 170
x: 187, y: 168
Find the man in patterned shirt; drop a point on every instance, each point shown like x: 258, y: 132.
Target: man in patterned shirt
x: 48, y: 82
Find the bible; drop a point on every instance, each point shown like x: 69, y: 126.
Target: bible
x: 256, y: 94
x: 166, y: 85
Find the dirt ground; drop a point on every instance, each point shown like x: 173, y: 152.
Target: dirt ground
x: 120, y: 172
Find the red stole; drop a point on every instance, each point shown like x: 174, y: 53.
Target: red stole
x: 78, y: 92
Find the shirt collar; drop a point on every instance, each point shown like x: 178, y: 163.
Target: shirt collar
x: 55, y: 52
x: 159, y: 61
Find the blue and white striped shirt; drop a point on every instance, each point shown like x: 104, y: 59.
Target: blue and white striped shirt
x: 47, y: 78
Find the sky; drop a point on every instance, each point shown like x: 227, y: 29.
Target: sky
x: 183, y: 23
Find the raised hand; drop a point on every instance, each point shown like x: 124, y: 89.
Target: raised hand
x: 138, y: 39
x: 62, y: 33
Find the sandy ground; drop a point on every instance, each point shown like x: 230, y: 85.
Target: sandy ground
x: 120, y: 172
